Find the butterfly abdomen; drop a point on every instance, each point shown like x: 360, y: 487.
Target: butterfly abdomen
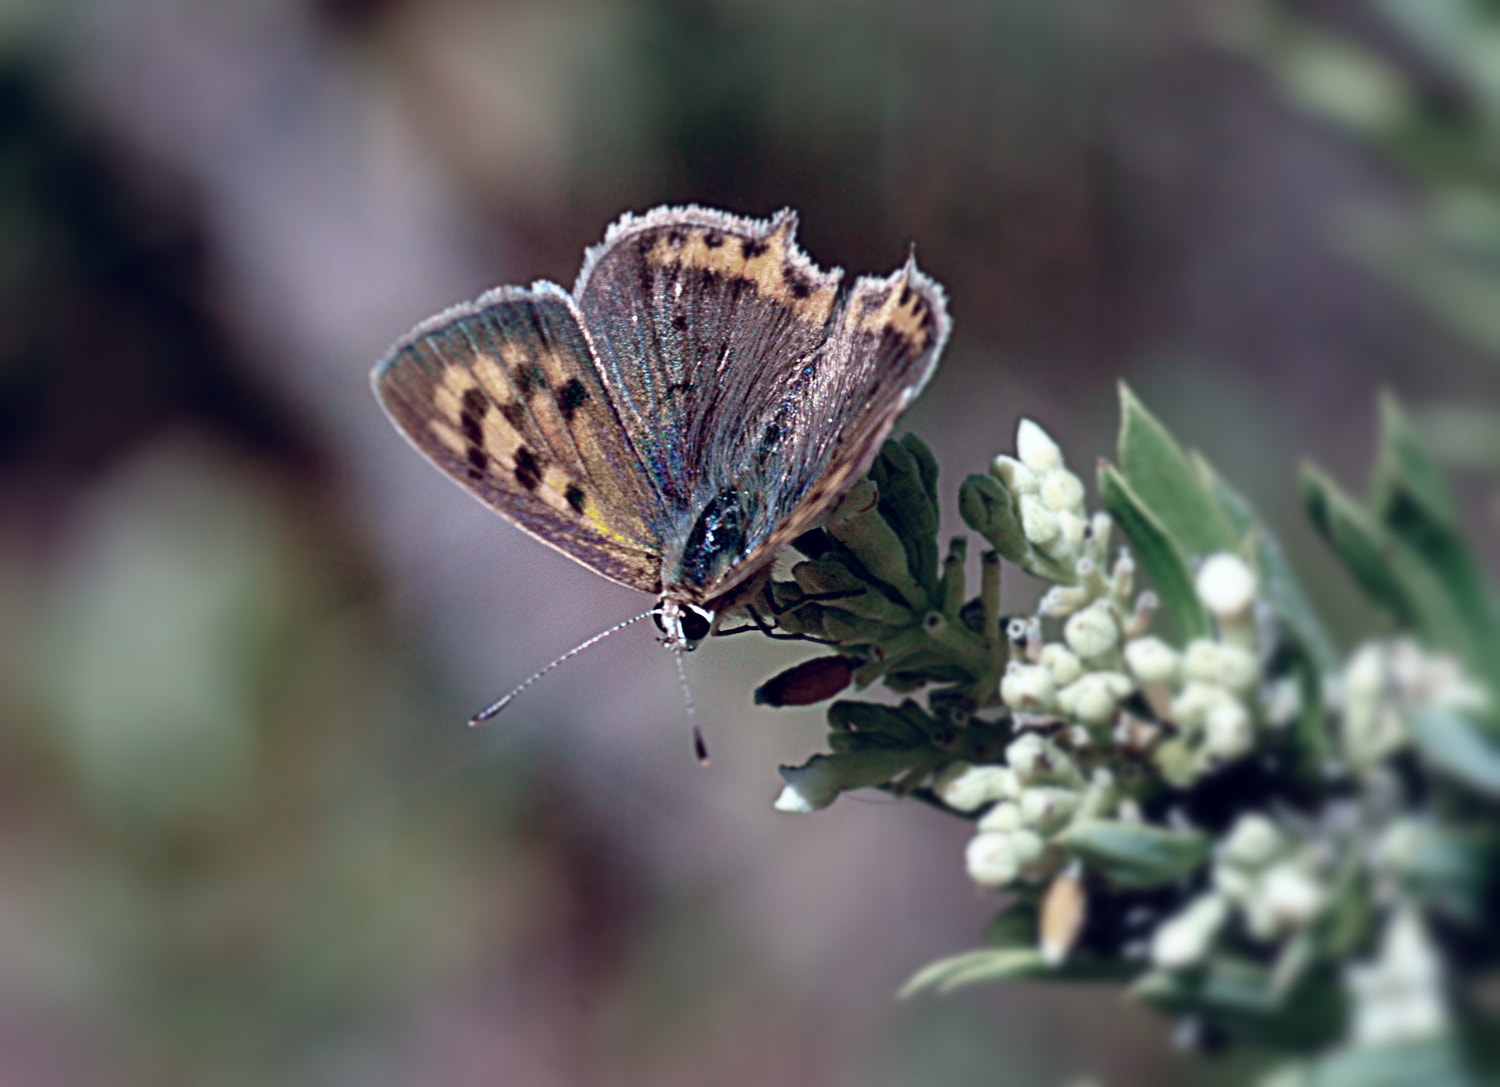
x: 719, y: 538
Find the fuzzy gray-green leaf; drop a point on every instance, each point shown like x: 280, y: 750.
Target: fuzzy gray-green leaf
x: 974, y: 967
x: 1159, y: 554
x: 1238, y: 996
x: 1458, y: 749
x: 1410, y: 497
x: 1392, y: 575
x: 1135, y: 855
x: 1435, y: 1062
x: 1163, y: 479
x: 908, y: 505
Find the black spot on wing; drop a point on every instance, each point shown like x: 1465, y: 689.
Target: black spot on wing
x: 576, y: 498
x: 572, y: 396
x: 471, y: 416
x: 796, y: 282
x: 713, y: 239
x: 528, y: 470
x: 751, y: 248
x: 514, y: 414
x: 532, y: 378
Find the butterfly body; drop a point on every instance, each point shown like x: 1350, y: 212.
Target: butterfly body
x: 702, y: 397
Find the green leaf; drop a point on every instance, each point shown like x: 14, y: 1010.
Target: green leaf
x: 1165, y: 482
x: 818, y: 782
x: 907, y: 723
x: 1158, y: 552
x: 1237, y: 997
x: 927, y: 465
x: 1404, y: 465
x: 1135, y: 855
x: 1364, y: 549
x: 1409, y: 495
x: 906, y: 503
x: 1006, y: 964
x: 1457, y: 748
x: 974, y: 967
x: 1435, y: 1062
x: 1394, y: 578
x: 1279, y: 585
x: 1450, y: 869
x: 1014, y: 926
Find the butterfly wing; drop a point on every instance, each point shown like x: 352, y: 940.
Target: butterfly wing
x: 504, y: 395
x: 883, y: 347
x: 753, y: 394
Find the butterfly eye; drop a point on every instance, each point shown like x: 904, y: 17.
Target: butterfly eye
x: 695, y: 625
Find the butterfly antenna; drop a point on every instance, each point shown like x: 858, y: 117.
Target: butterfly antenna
x: 492, y: 710
x: 700, y: 747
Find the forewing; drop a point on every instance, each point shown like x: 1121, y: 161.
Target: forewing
x: 700, y: 318
x: 505, y: 396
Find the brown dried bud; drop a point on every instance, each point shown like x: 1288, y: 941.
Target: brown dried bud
x: 806, y: 683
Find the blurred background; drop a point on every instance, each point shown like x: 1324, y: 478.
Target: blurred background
x: 244, y: 835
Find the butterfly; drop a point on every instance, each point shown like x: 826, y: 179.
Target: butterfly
x: 699, y: 400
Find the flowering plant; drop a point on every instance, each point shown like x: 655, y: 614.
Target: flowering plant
x: 1186, y: 787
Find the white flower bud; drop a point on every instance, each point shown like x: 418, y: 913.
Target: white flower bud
x: 1062, y: 663
x: 1227, y: 731
x: 1122, y: 579
x: 1282, y: 702
x: 1094, y: 697
x: 968, y: 788
x: 1018, y: 479
x: 1153, y: 662
x: 1092, y: 632
x: 1291, y: 895
x: 1047, y: 807
x: 1400, y: 997
x: 1028, y: 688
x: 1191, y: 705
x: 1002, y: 817
x: 1100, y: 799
x: 1062, y: 491
x: 1374, y: 726
x: 1235, y: 884
x: 1070, y: 532
x: 1253, y: 842
x: 1036, y: 449
x: 1037, y: 521
x: 1028, y: 846
x: 1100, y: 526
x: 1034, y: 758
x: 1226, y: 585
x: 991, y: 860
x: 1185, y: 939
x: 1227, y: 666
x: 1061, y: 601
x: 995, y: 858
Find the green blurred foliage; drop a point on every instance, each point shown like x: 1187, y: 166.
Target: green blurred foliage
x: 1416, y: 82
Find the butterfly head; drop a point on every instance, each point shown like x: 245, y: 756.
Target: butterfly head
x: 684, y: 624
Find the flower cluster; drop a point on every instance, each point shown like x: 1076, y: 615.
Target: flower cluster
x: 1185, y: 785
x: 1272, y: 883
